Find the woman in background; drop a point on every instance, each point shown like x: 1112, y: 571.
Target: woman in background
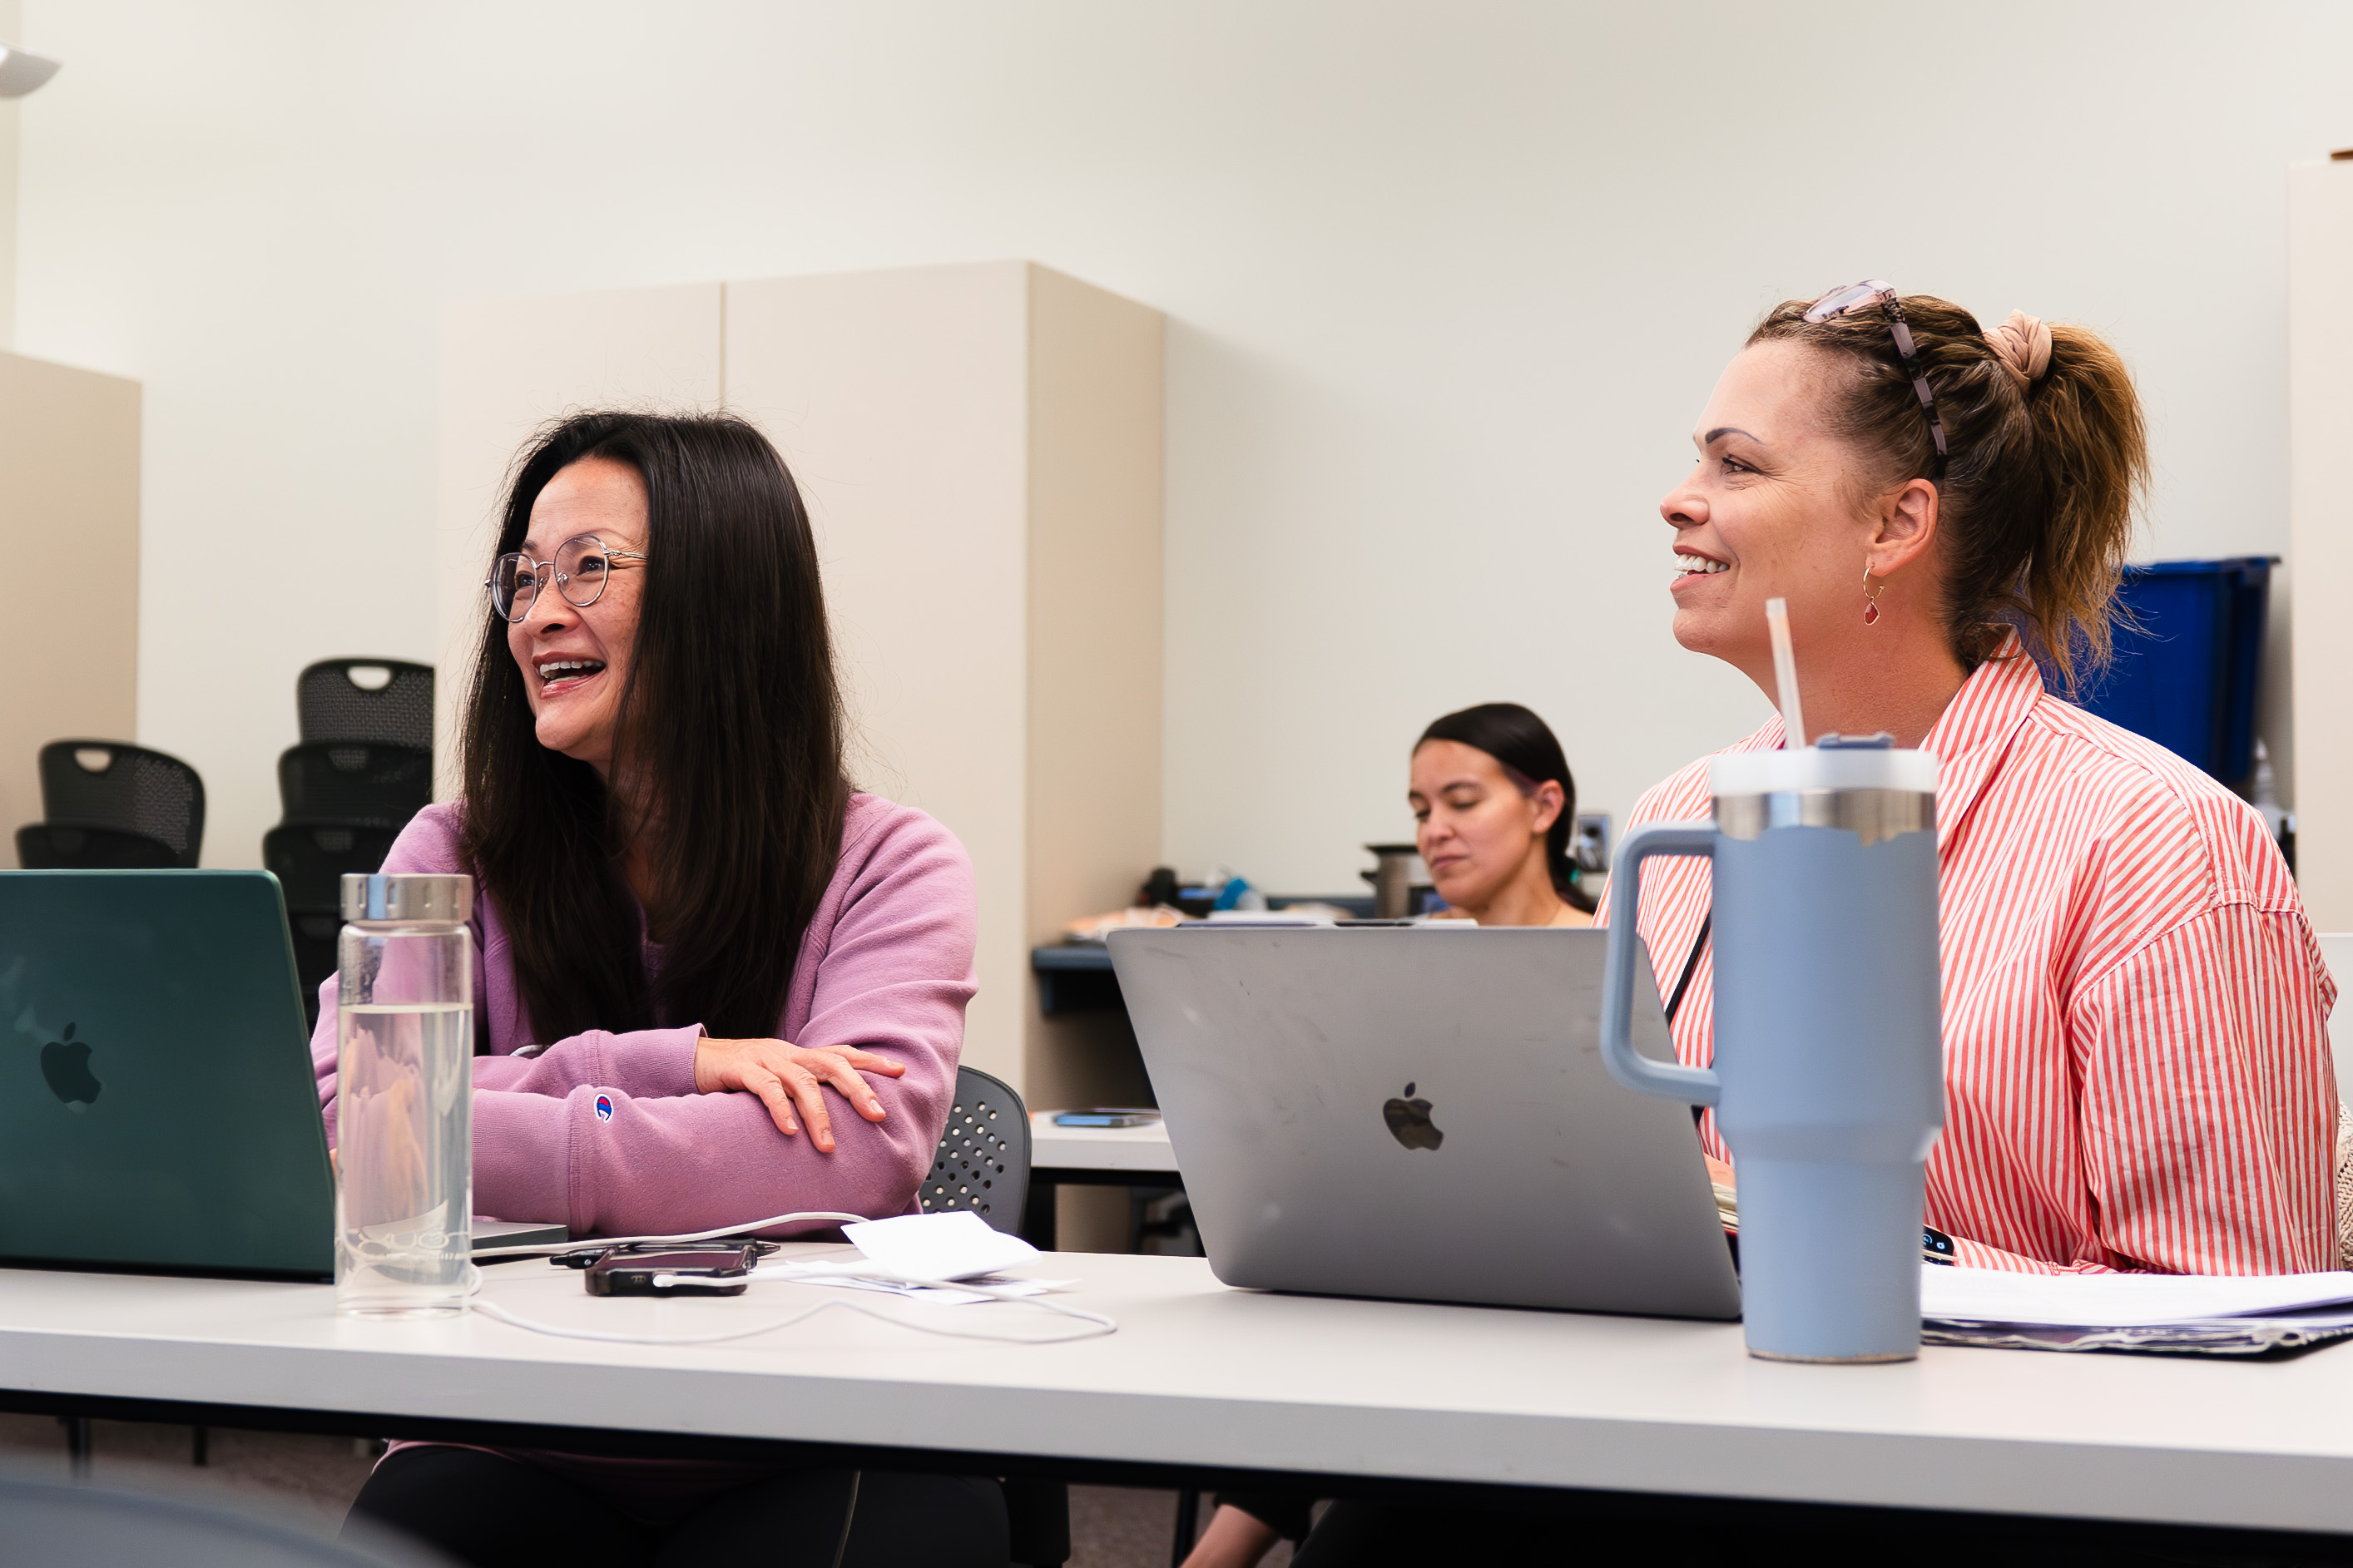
x: 1490, y: 789
x: 1493, y: 793
x: 695, y: 945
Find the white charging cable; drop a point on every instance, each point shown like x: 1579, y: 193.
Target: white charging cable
x: 1097, y: 1322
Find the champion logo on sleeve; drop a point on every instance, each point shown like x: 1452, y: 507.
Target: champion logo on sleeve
x: 604, y: 1107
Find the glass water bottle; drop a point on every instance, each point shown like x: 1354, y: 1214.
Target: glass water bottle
x: 404, y: 1121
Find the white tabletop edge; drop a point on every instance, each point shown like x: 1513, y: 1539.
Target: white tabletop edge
x: 1203, y: 1375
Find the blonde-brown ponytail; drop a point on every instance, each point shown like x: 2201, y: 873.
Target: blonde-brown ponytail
x: 2048, y: 462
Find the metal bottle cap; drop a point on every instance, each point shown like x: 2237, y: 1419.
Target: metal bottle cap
x: 408, y: 898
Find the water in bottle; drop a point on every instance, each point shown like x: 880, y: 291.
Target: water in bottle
x: 403, y: 1095
x: 405, y: 1144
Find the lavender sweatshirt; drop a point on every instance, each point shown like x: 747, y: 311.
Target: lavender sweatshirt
x: 886, y: 964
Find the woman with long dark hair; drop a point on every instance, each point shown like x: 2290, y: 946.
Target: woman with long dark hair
x: 693, y: 940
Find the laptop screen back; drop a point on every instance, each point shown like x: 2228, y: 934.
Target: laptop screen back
x: 1421, y: 1113
x: 157, y: 1108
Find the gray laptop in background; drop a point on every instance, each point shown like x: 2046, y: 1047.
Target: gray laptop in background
x: 157, y: 1107
x: 1421, y: 1113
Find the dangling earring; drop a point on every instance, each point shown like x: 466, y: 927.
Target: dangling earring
x: 1870, y: 597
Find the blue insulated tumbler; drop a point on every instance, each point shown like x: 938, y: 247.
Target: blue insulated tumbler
x: 1827, y: 1079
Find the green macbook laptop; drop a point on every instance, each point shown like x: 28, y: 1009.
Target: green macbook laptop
x: 157, y: 1107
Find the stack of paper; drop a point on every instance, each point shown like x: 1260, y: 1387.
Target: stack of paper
x: 912, y: 1254
x: 2179, y: 1313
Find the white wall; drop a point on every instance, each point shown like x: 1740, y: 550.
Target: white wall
x: 2320, y: 338
x: 11, y: 19
x: 1446, y: 287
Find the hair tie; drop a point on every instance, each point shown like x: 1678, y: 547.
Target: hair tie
x: 2023, y: 346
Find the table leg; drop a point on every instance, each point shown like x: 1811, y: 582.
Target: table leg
x: 1188, y: 1524
x: 1037, y: 1217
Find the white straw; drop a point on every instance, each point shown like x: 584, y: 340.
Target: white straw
x: 1785, y: 671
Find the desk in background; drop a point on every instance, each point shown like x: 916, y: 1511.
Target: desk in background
x: 1091, y: 1156
x: 1077, y: 977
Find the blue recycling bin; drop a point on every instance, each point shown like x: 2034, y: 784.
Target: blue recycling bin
x: 2189, y: 664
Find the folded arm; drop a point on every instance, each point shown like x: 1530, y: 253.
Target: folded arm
x: 893, y: 978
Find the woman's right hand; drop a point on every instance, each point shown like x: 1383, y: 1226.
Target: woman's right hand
x: 782, y: 1074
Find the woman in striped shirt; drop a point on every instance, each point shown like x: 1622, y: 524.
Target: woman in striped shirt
x: 2134, y: 1010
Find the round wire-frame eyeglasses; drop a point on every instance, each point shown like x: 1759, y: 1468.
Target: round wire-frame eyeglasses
x: 581, y: 567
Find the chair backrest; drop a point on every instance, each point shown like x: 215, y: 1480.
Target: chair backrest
x: 317, y: 935
x: 983, y: 1163
x: 381, y: 699
x: 110, y: 783
x: 66, y: 846
x: 355, y: 783
x: 311, y: 860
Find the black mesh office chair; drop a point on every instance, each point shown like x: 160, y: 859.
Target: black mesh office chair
x: 308, y: 860
x: 355, y: 783
x: 380, y: 700
x: 364, y: 767
x: 62, y: 846
x: 106, y: 805
x: 983, y: 1165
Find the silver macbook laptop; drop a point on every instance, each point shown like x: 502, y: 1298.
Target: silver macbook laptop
x: 1421, y: 1113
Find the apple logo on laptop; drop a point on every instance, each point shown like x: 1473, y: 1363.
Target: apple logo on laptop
x: 66, y: 1064
x: 1410, y: 1122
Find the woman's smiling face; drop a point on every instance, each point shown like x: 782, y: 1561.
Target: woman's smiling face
x: 1770, y: 511
x: 575, y: 661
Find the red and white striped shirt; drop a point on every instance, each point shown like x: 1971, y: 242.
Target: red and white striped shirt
x: 2135, y: 1013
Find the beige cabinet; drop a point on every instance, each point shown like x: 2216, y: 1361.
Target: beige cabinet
x: 980, y: 449
x: 68, y: 570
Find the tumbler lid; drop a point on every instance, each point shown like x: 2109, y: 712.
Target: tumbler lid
x: 408, y: 898
x: 1821, y: 767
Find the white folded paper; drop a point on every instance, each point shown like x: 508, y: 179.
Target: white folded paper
x: 909, y: 1255
x: 955, y: 1245
x: 2119, y: 1300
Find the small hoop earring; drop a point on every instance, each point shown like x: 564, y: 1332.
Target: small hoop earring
x: 1870, y: 597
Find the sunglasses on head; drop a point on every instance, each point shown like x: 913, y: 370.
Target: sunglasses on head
x: 1876, y: 292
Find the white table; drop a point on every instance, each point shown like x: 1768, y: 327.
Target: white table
x: 1201, y: 1379
x: 1066, y: 1154
x: 1091, y: 1156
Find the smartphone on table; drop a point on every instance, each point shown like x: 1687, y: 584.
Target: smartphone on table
x: 1107, y: 1116
x: 709, y: 1268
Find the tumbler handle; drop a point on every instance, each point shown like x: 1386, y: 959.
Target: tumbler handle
x: 1694, y: 1085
